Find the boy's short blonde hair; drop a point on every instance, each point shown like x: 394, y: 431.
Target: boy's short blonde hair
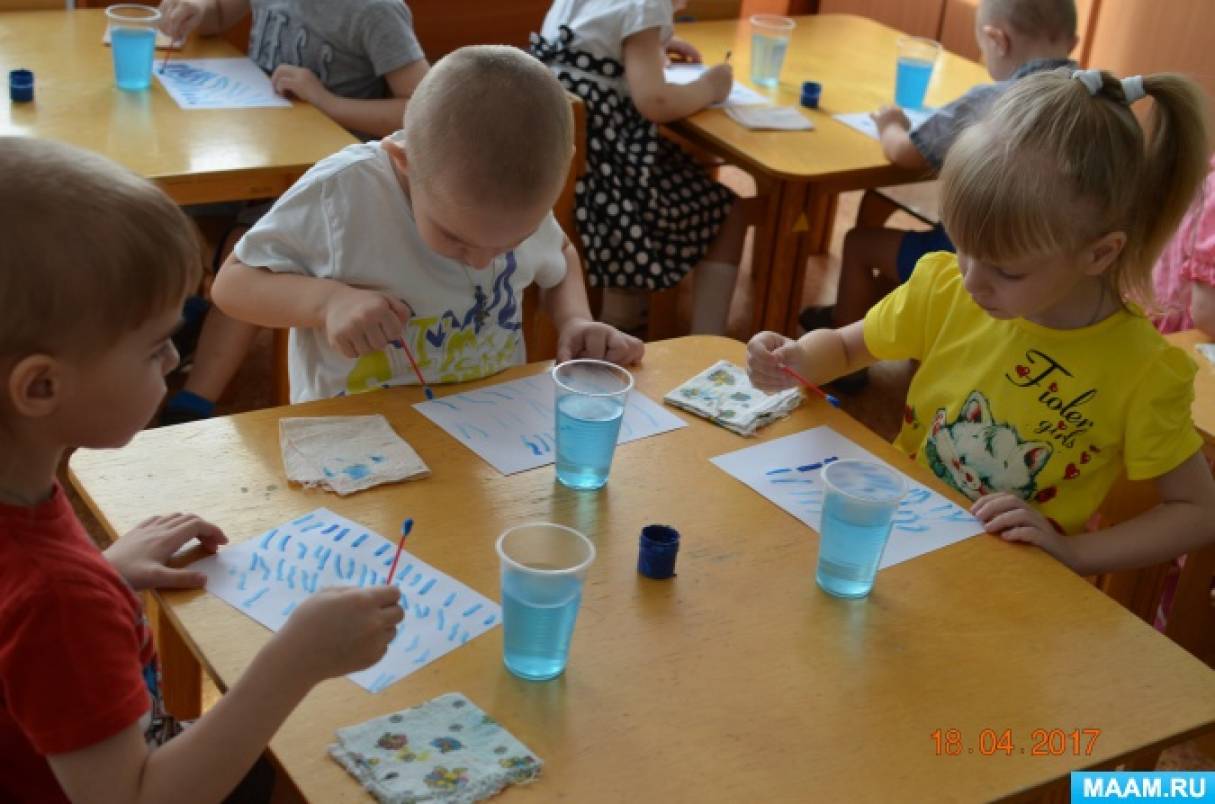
x: 1041, y: 20
x: 91, y: 250
x: 490, y: 123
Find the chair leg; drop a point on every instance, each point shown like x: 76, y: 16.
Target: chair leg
x: 875, y: 210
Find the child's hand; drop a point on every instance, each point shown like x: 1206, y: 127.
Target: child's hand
x: 890, y: 116
x: 1015, y: 520
x: 594, y: 339
x: 720, y: 78
x: 359, y: 322
x: 179, y: 18
x: 684, y: 51
x: 766, y: 353
x: 299, y: 82
x: 340, y: 630
x: 140, y: 555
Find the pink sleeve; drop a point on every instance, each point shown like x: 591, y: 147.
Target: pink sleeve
x: 1199, y: 264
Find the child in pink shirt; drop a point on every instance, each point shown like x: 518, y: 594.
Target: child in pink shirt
x: 1184, y: 276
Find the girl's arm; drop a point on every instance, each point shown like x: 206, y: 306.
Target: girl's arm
x: 1202, y: 307
x: 658, y: 101
x: 375, y: 116
x: 1183, y: 521
x: 820, y: 356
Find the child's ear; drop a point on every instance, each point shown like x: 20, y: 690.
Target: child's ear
x: 396, y: 155
x: 35, y: 386
x: 1101, y: 254
x: 998, y: 38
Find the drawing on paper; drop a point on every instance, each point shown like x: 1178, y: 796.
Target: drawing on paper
x: 512, y: 425
x: 267, y: 577
x: 788, y: 471
x: 218, y: 84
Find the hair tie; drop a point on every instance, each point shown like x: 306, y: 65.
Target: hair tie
x: 1091, y: 79
x: 1132, y: 88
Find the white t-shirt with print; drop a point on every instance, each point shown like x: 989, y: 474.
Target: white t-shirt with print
x: 348, y: 219
x: 601, y: 26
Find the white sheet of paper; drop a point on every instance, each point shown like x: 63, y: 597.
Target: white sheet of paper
x: 863, y: 123
x: 268, y: 576
x: 740, y: 94
x: 1207, y: 350
x: 218, y: 84
x: 770, y: 118
x: 787, y: 470
x: 512, y: 425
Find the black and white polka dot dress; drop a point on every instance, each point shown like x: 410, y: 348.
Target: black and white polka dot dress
x: 646, y: 212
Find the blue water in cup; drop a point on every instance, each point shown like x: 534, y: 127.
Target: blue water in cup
x: 587, y: 430
x: 536, y: 641
x: 767, y: 58
x: 134, y: 49
x: 858, y: 511
x: 543, y: 567
x: 591, y: 396
x: 911, y: 82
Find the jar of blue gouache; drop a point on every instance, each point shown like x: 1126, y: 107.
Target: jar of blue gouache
x: 659, y: 545
x: 21, y: 86
x: 811, y: 92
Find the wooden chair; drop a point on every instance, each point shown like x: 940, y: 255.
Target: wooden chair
x: 443, y: 26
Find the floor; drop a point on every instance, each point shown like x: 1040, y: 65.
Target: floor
x: 878, y: 406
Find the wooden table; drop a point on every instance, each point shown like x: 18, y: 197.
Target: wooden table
x: 802, y: 172
x: 738, y: 680
x: 1204, y: 382
x: 197, y: 156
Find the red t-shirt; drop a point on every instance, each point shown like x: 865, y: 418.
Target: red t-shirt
x: 77, y: 661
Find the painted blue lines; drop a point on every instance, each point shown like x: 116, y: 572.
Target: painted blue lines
x: 471, y: 610
x: 360, y: 540
x: 451, y: 635
x: 308, y: 581
x: 380, y: 682
x: 303, y: 519
x: 788, y: 480
x: 329, y: 530
x: 303, y: 550
x: 256, y: 596
x: 444, y: 403
x: 282, y: 545
x: 414, y: 644
x: 290, y: 608
x: 265, y: 543
x: 777, y: 471
x: 427, y: 586
x: 414, y: 581
x: 291, y: 578
x: 384, y: 548
x: 422, y: 659
x: 341, y: 534
x: 439, y: 620
x: 313, y: 526
x: 489, y: 620
x: 449, y: 600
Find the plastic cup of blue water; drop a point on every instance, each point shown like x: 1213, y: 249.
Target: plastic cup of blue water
x: 913, y: 70
x: 543, y: 567
x: 591, y: 397
x: 858, y: 511
x: 133, y: 44
x: 769, y: 41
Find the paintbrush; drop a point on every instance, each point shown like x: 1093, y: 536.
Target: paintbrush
x: 811, y: 386
x: 417, y: 372
x: 406, y: 526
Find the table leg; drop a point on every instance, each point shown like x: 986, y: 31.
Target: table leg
x: 764, y: 214
x: 803, y: 228
x: 181, y: 674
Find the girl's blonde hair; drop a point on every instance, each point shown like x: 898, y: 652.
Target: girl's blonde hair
x: 1052, y: 167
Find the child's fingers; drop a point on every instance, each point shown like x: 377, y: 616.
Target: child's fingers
x: 991, y: 505
x: 399, y: 309
x: 1017, y: 519
x: 594, y: 342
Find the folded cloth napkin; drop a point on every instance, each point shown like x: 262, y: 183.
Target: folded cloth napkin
x: 723, y: 395
x: 346, y: 453
x: 444, y: 750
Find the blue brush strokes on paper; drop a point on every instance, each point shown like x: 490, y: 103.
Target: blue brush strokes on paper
x: 471, y: 610
x: 449, y: 600
x: 360, y: 540
x: 257, y: 596
x: 427, y: 587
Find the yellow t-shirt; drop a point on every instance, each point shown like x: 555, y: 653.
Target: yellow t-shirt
x: 1049, y: 415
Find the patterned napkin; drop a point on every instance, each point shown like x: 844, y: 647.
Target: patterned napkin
x: 346, y: 454
x: 444, y: 750
x: 723, y: 395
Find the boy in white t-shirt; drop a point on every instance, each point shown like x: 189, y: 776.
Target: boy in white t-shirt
x: 427, y: 239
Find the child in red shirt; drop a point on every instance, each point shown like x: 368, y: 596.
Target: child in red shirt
x: 95, y: 266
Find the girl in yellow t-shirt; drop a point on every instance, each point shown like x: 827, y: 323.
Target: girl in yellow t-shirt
x: 1039, y: 380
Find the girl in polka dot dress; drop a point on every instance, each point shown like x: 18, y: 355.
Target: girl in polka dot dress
x: 646, y: 212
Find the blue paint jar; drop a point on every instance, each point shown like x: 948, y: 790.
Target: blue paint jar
x: 21, y: 86
x: 659, y: 545
x: 811, y: 92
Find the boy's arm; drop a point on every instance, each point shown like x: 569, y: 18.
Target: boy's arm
x: 820, y: 356
x: 355, y: 321
x: 375, y: 116
x: 894, y: 133
x: 336, y: 631
x: 578, y: 334
x: 658, y: 101
x: 1183, y: 521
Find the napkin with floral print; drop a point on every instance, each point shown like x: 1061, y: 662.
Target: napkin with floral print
x: 445, y: 750
x: 723, y: 395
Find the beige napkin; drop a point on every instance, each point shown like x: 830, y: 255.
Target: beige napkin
x: 346, y: 454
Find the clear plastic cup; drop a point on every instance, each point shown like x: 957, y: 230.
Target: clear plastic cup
x: 769, y: 41
x: 133, y: 44
x: 543, y: 568
x: 913, y: 70
x: 591, y: 397
x: 858, y: 510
